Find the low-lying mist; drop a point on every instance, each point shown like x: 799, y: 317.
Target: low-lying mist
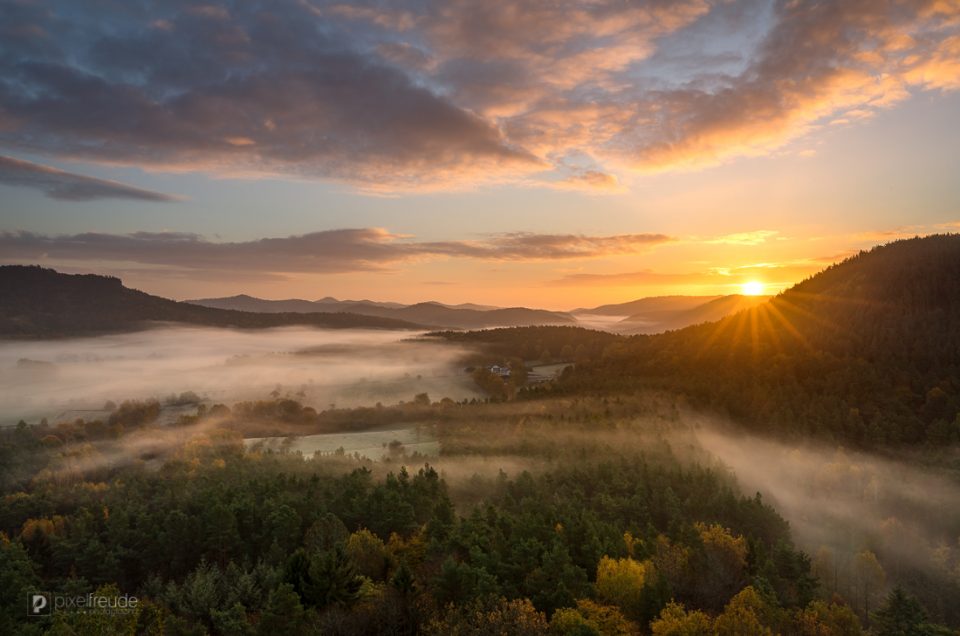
x: 842, y: 504
x: 60, y: 379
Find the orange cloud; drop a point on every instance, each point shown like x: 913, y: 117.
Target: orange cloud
x: 775, y: 276
x: 755, y: 237
x: 331, y: 251
x: 455, y: 93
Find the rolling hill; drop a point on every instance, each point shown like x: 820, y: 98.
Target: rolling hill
x: 243, y: 302
x: 651, y: 304
x: 466, y: 316
x: 39, y: 302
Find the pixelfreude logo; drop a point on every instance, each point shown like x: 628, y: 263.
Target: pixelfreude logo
x: 40, y: 604
x: 46, y: 603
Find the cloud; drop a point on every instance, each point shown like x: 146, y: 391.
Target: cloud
x: 773, y: 274
x: 291, y: 88
x: 590, y: 179
x: 622, y: 279
x: 529, y: 246
x: 755, y: 237
x: 424, y: 94
x: 68, y: 186
x: 327, y: 252
x: 820, y: 61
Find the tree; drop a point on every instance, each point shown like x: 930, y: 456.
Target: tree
x: 821, y: 619
x: 283, y: 613
x: 322, y: 579
x: 743, y: 616
x: 459, y: 583
x: 557, y: 581
x: 722, y: 566
x: 621, y: 582
x: 518, y: 372
x: 869, y: 577
x: 325, y: 533
x: 369, y: 554
x: 17, y: 580
x: 421, y: 399
x: 493, y: 618
x: 567, y: 621
x: 901, y: 615
x: 675, y: 620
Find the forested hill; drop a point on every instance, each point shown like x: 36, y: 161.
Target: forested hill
x: 39, y: 302
x: 867, y: 351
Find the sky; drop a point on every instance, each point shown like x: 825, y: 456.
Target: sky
x: 549, y: 153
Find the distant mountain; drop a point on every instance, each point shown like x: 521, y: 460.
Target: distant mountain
x: 39, y: 302
x: 330, y: 300
x: 646, y: 305
x: 657, y: 314
x: 258, y: 305
x: 467, y: 316
x: 471, y: 306
x: 658, y: 321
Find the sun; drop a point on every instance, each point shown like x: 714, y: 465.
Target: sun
x: 752, y: 288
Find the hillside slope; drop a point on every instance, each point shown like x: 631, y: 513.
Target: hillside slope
x: 39, y: 302
x: 866, y: 351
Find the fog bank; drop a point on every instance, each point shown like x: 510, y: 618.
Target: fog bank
x: 60, y: 379
x: 840, y: 503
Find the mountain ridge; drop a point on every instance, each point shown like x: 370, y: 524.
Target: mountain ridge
x: 41, y: 302
x: 464, y: 316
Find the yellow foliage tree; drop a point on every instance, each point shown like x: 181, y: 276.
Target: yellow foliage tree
x: 367, y: 551
x: 517, y: 617
x: 724, y: 570
x: 742, y: 616
x: 822, y: 619
x: 675, y: 620
x: 620, y: 582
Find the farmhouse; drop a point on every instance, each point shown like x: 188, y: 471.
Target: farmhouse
x: 502, y: 371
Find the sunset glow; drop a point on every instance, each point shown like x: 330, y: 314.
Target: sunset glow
x: 549, y: 154
x: 428, y: 317
x: 753, y: 288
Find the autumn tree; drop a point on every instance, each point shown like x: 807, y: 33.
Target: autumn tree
x: 744, y: 616
x: 621, y: 582
x: 675, y: 620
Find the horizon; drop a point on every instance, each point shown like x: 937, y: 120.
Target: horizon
x: 751, y: 287
x: 747, y: 290
x: 460, y: 156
